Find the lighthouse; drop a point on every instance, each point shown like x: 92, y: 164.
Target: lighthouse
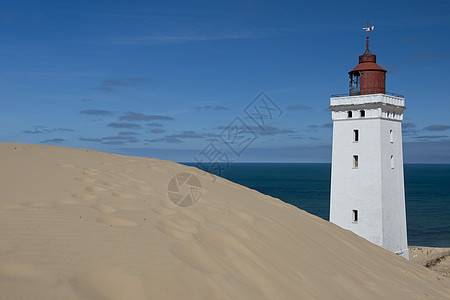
x: 367, y: 185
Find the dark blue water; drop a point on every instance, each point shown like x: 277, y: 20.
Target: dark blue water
x: 307, y: 186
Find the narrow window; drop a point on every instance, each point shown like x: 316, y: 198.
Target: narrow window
x: 363, y: 113
x: 355, y: 161
x: 355, y: 135
x: 349, y: 114
x: 392, y: 161
x: 391, y: 136
x: 355, y: 215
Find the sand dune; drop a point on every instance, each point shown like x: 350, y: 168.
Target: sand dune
x: 436, y: 259
x: 80, y: 224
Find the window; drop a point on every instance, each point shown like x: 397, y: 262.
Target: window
x: 355, y: 135
x: 355, y: 216
x: 391, y: 135
x: 354, y: 80
x: 354, y: 84
x: 362, y: 113
x: 355, y: 161
x: 349, y: 114
x: 392, y: 161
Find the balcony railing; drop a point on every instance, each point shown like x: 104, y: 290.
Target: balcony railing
x: 366, y: 93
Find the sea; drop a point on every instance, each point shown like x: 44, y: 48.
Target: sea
x: 307, y: 186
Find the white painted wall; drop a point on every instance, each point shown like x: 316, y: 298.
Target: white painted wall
x: 374, y: 188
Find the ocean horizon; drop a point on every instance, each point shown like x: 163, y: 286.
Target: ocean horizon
x: 307, y: 186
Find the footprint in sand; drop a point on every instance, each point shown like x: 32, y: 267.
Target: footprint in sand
x: 179, y: 227
x: 165, y: 208
x: 124, y: 175
x: 238, y: 233
x: 64, y: 165
x: 196, y: 257
x: 85, y: 179
x: 161, y: 210
x: 241, y: 215
x: 222, y: 242
x: 138, y: 181
x: 83, y: 196
x: 123, y: 195
x: 114, y: 221
x: 66, y: 201
x: 91, y: 172
x: 95, y: 188
x: 104, y: 208
x: 142, y: 189
x: 126, y: 208
x: 38, y: 204
x: 159, y: 169
x: 107, y: 183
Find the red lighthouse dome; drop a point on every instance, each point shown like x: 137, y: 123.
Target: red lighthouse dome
x: 367, y: 77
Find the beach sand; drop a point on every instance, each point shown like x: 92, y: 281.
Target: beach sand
x: 81, y: 224
x: 436, y: 259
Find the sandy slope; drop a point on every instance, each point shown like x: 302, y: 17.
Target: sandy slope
x: 79, y: 224
x: 436, y: 259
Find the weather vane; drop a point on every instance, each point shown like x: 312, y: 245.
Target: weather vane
x: 367, y: 29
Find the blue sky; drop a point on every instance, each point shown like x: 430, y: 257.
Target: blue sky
x: 164, y: 79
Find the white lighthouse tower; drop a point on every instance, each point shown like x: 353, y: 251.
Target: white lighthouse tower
x: 367, y: 189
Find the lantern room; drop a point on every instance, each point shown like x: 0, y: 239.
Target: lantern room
x: 367, y: 77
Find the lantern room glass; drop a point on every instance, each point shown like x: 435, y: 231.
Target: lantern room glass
x: 354, y: 84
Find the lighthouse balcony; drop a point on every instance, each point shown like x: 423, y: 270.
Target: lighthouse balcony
x: 387, y: 99
x: 378, y: 106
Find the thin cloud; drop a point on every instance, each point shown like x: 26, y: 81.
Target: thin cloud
x: 176, y: 138
x: 90, y: 139
x: 171, y: 140
x: 132, y: 116
x: 431, y: 137
x: 95, y: 112
x: 124, y: 125
x: 111, y: 84
x: 263, y: 131
x: 158, y: 130
x: 186, y: 135
x: 301, y: 137
x: 212, y: 134
x: 409, y: 129
x: 41, y: 129
x: 63, y: 129
x: 119, y: 137
x: 437, y: 128
x: 270, y: 130
x: 212, y: 107
x: 154, y: 124
x: 122, y: 138
x: 128, y: 133
x: 34, y: 131
x: 408, y: 125
x: 114, y: 143
x: 56, y: 140
x: 315, y: 127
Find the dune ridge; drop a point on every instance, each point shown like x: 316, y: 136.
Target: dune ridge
x: 82, y: 224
